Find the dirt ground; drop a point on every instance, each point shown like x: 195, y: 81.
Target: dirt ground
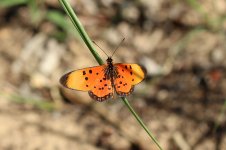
x: 182, y: 99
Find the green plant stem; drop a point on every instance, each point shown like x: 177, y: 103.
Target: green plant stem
x: 141, y: 122
x: 80, y: 30
x: 88, y: 42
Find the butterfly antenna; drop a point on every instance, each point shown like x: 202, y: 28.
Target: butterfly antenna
x: 118, y: 46
x: 100, y: 48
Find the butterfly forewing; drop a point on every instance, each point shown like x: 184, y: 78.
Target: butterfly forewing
x: 83, y: 79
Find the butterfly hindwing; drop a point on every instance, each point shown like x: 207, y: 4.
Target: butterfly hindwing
x: 83, y: 79
x: 122, y: 88
x: 102, y: 90
x: 128, y: 76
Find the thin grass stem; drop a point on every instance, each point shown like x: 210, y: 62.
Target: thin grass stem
x: 80, y: 30
x: 89, y: 43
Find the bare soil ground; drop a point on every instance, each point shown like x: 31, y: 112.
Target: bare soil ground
x: 182, y: 100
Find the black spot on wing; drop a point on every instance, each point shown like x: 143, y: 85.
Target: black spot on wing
x: 90, y: 71
x: 86, y: 78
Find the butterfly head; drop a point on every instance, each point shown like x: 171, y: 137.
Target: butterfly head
x: 109, y: 60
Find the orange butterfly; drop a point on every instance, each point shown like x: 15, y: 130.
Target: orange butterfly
x: 102, y: 81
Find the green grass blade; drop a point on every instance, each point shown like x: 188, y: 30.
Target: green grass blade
x: 81, y: 30
x: 221, y: 115
x: 141, y: 122
x: 42, y: 104
x: 88, y: 42
x: 10, y: 3
x: 58, y: 19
